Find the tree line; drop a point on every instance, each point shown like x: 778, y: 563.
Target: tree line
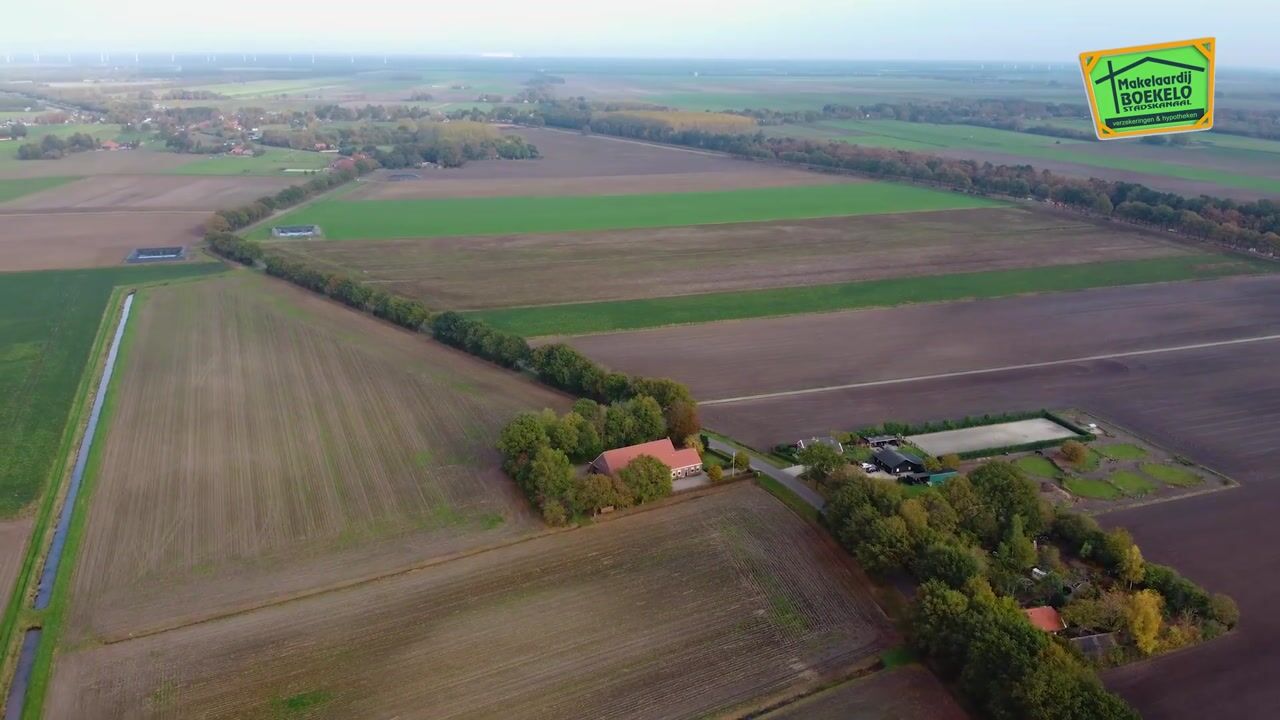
x: 52, y: 147
x: 1250, y: 226
x: 972, y: 544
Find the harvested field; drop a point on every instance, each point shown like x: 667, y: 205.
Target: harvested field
x: 477, y: 272
x: 905, y: 693
x: 266, y: 442
x: 732, y: 598
x: 442, y: 183
x: 152, y: 192
x: 567, y: 154
x: 14, y: 535
x: 785, y: 354
x: 130, y: 162
x: 44, y: 241
x: 596, y: 317
x: 442, y: 217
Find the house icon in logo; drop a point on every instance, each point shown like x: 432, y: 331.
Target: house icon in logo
x: 1113, y: 73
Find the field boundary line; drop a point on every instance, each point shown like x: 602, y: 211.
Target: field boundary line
x: 991, y: 370
x: 410, y: 569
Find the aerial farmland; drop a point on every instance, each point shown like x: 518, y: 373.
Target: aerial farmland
x: 361, y: 468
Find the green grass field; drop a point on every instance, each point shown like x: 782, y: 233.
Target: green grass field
x: 1089, y: 488
x: 47, y: 324
x: 1131, y: 483
x: 274, y: 162
x: 609, y: 316
x: 380, y: 219
x: 1122, y: 451
x: 14, y: 189
x: 1172, y: 475
x: 928, y: 137
x: 1037, y: 466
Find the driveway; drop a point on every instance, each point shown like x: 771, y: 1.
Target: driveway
x: 796, y: 485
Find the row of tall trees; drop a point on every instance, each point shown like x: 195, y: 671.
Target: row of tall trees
x: 231, y: 219
x: 52, y: 147
x: 1253, y: 226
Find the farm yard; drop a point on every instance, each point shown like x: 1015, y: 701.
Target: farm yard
x: 476, y: 272
x: 279, y: 444
x: 733, y: 599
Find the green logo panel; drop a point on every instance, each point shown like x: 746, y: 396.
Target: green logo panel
x: 1150, y: 89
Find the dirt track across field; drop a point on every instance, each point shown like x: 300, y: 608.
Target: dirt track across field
x: 267, y: 442
x: 150, y: 192
x: 481, y: 272
x: 683, y: 611
x: 46, y: 241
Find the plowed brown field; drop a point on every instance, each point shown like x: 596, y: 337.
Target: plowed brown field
x: 152, y: 192
x: 51, y: 241
x: 481, y: 272
x: 679, y: 612
x: 266, y: 442
x: 905, y: 693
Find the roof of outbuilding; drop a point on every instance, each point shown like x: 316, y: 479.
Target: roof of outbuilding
x: 892, y: 457
x: 1045, y: 618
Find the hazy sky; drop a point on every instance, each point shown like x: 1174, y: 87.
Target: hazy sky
x: 1023, y: 30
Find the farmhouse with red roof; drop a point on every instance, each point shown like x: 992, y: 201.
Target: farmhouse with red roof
x: 683, y: 463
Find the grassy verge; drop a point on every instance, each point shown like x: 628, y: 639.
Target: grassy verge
x: 1122, y: 451
x: 383, y: 219
x: 610, y: 316
x: 14, y: 189
x: 1170, y: 475
x: 52, y: 618
x: 274, y: 162
x: 789, y: 498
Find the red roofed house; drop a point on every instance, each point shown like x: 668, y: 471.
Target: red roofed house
x: 1045, y: 618
x: 110, y: 145
x: 683, y: 463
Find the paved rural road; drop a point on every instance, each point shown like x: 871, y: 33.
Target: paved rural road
x: 805, y: 492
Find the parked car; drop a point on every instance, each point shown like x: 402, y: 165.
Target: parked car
x: 868, y: 467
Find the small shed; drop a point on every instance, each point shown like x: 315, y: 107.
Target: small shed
x: 879, y: 441
x: 932, y: 479
x: 896, y: 462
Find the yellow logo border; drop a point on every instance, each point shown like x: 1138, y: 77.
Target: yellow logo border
x: 1208, y: 46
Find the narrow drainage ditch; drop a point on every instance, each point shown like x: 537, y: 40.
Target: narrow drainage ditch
x: 16, y: 701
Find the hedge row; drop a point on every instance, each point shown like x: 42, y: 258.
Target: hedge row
x: 557, y: 365
x: 231, y: 219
